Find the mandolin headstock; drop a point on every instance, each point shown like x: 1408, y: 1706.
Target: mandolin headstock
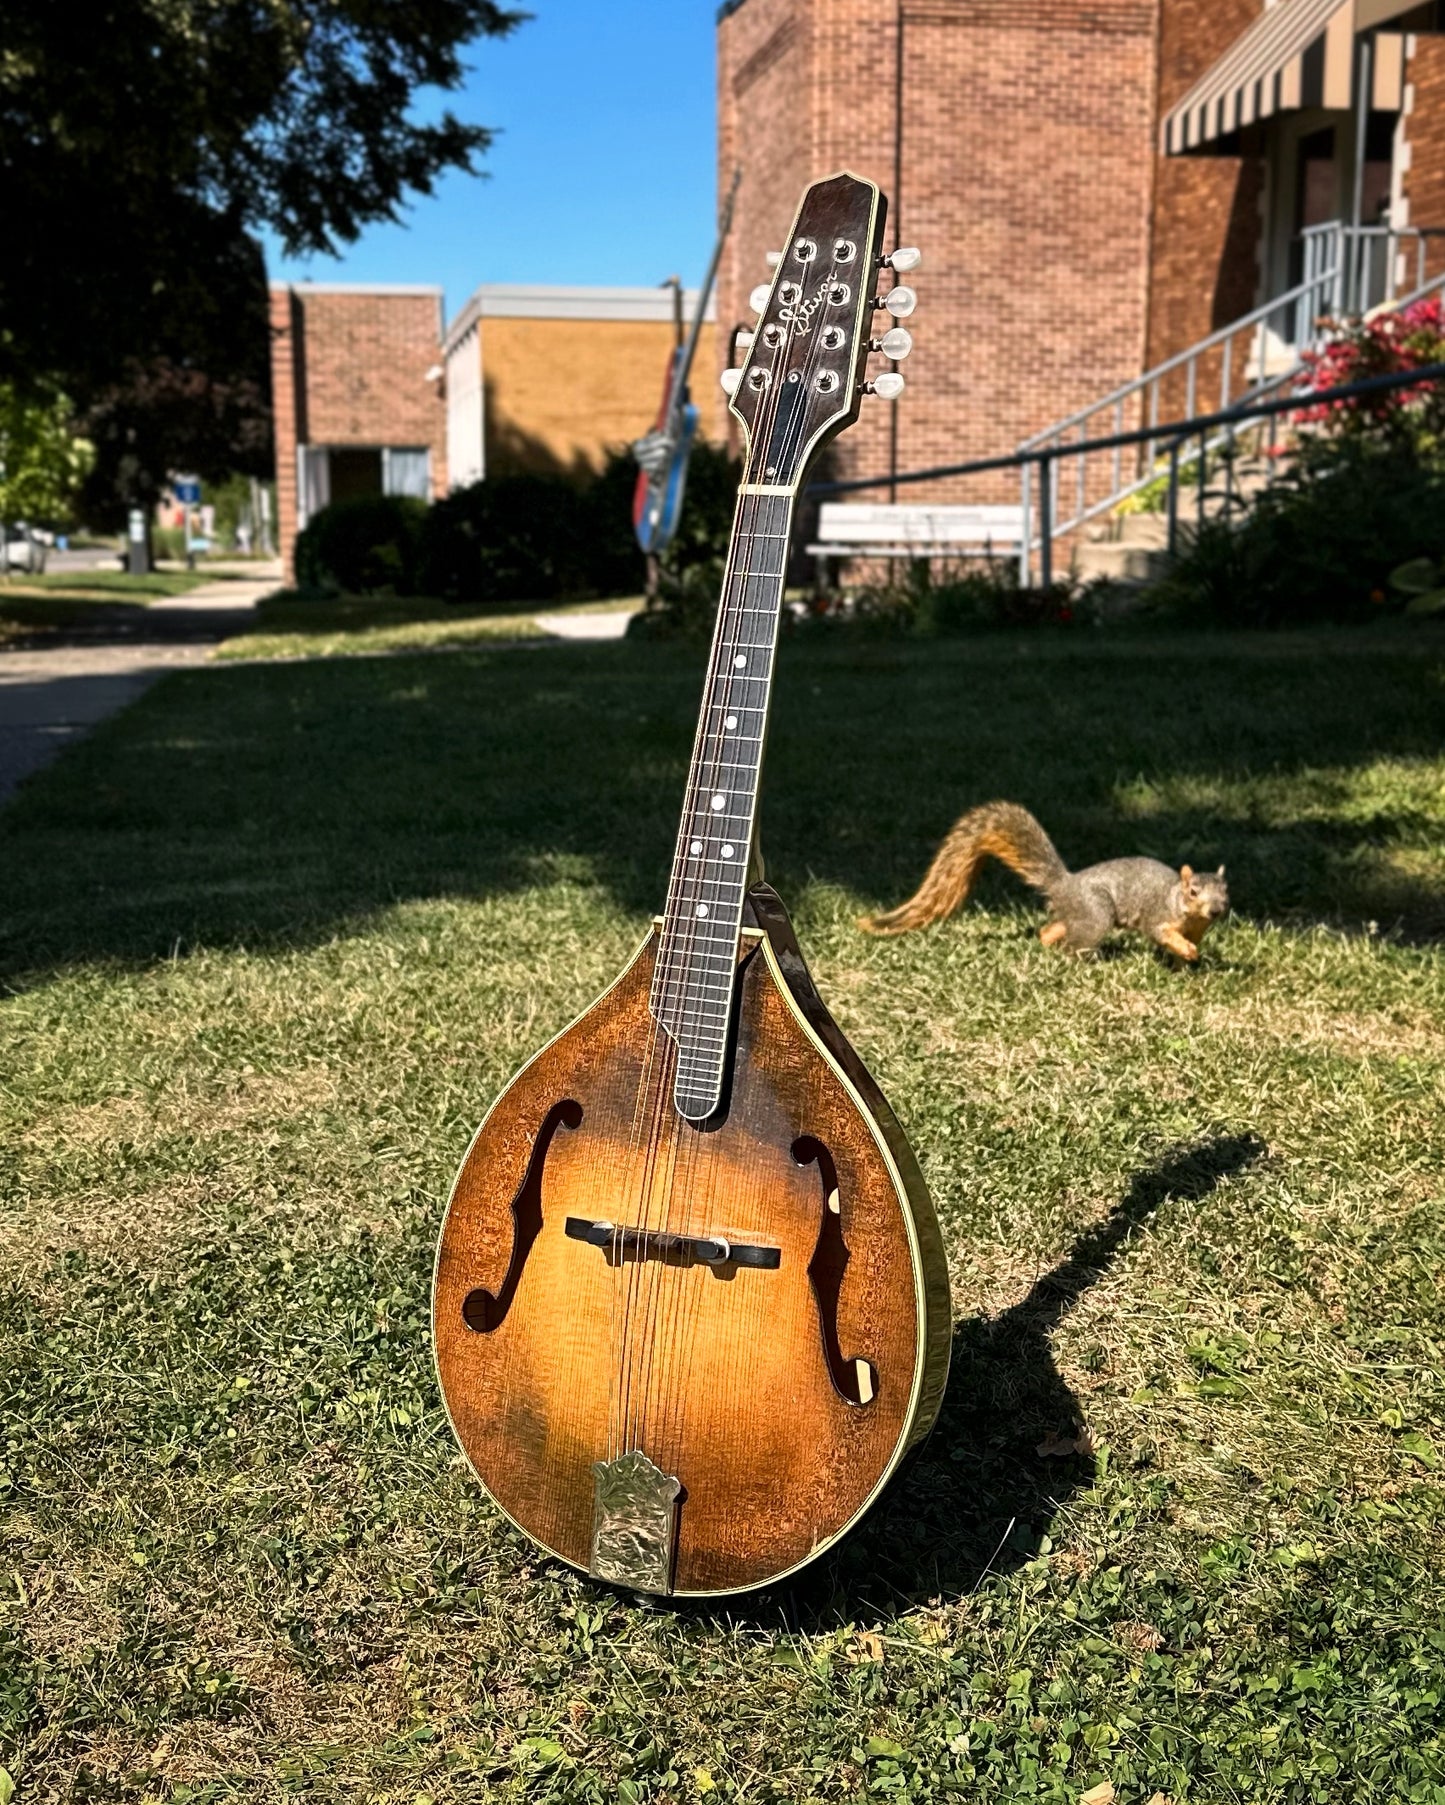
x: 805, y: 375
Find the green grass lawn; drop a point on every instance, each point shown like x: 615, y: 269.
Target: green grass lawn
x: 272, y: 940
x: 291, y: 626
x: 31, y: 606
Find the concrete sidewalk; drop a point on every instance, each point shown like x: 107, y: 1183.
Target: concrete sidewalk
x: 51, y: 694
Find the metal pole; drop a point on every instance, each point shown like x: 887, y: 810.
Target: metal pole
x: 1026, y: 550
x: 1362, y: 120
x: 1046, y: 520
x: 1173, y: 497
x: 1199, y: 487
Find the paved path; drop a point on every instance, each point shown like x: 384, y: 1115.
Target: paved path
x: 52, y: 694
x: 609, y: 625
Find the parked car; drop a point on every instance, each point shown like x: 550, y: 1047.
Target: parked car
x: 26, y: 548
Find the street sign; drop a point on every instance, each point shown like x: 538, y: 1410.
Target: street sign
x: 187, y: 490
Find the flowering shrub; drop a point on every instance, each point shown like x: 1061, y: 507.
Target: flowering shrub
x: 1388, y: 344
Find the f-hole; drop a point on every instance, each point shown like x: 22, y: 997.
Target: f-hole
x: 480, y: 1309
x: 854, y: 1379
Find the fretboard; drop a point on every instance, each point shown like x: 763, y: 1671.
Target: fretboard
x: 692, y: 991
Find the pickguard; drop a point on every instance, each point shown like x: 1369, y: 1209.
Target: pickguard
x: 854, y: 1379
x: 481, y: 1309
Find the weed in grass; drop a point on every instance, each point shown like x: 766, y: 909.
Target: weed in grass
x: 274, y: 938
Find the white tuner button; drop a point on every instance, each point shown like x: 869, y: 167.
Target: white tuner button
x: 730, y: 380
x: 900, y: 302
x: 896, y: 343
x: 906, y: 257
x: 744, y: 341
x: 772, y: 258
x: 888, y: 387
x: 758, y: 299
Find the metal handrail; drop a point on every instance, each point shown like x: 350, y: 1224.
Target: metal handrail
x: 1337, y: 269
x: 1175, y: 432
x: 1180, y: 358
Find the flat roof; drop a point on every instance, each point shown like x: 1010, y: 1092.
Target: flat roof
x: 544, y: 301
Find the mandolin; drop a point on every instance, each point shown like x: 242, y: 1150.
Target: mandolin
x: 691, y: 1306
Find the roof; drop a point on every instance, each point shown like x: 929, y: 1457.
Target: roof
x: 540, y: 301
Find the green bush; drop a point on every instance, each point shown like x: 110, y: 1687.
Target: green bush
x: 507, y: 539
x: 1319, y: 545
x: 370, y: 546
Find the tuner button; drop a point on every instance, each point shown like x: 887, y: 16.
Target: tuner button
x: 730, y: 380
x: 744, y: 340
x: 900, y: 302
x: 772, y: 258
x: 758, y: 299
x: 888, y: 387
x: 906, y: 257
x: 896, y: 343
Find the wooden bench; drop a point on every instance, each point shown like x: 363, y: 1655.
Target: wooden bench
x: 901, y: 530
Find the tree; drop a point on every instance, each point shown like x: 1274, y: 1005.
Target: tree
x: 42, y: 460
x: 142, y: 148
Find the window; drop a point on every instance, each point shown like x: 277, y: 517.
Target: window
x: 406, y: 471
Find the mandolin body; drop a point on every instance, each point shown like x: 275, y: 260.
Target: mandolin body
x: 712, y: 1388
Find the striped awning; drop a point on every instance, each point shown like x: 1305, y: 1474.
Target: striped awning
x: 1300, y: 53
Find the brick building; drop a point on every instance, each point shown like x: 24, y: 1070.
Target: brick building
x: 1096, y: 184
x: 372, y: 396
x: 357, y: 397
x: 553, y: 379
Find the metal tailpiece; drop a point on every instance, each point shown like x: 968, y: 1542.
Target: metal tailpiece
x: 634, y: 1523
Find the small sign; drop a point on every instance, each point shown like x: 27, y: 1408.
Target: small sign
x: 187, y: 490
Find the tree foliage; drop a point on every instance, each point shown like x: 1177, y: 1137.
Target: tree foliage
x: 142, y: 148
x: 43, y: 461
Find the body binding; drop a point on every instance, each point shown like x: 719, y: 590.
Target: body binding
x: 780, y: 1388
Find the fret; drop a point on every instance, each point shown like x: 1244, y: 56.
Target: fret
x: 697, y: 960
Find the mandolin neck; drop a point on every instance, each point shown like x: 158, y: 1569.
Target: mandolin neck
x: 702, y: 923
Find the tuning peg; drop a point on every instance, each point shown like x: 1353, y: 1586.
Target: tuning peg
x: 772, y: 258
x: 906, y: 257
x: 730, y: 380
x: 887, y: 387
x: 744, y: 340
x: 758, y: 299
x: 899, y: 301
x: 896, y: 343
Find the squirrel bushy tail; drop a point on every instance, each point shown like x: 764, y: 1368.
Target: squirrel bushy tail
x: 999, y: 830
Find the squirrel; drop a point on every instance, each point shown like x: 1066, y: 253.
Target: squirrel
x: 1174, y: 909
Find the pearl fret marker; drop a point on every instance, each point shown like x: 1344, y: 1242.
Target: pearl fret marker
x: 696, y: 846
x: 719, y: 801
x: 702, y: 908
x: 731, y: 722
x: 727, y: 852
x: 739, y: 662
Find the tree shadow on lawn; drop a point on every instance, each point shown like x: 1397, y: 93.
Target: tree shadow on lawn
x: 272, y: 804
x: 977, y: 1497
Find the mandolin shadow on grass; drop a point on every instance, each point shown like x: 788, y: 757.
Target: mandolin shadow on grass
x: 978, y: 1495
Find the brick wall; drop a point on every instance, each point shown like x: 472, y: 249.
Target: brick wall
x: 1425, y: 135
x: 349, y: 367
x: 561, y: 394
x: 764, y: 125
x: 1023, y: 170
x: 1207, y: 224
x: 287, y: 422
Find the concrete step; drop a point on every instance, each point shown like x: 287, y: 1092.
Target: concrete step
x: 1150, y: 531
x: 1120, y: 563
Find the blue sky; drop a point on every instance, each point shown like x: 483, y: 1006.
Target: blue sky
x: 602, y: 169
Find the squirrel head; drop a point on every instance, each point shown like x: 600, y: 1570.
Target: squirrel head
x: 1205, y: 893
